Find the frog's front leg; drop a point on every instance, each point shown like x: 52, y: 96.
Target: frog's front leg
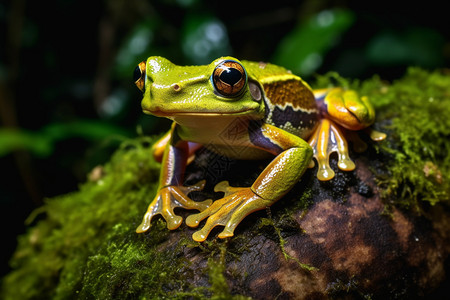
x: 343, y: 112
x: 160, y: 145
x: 171, y: 193
x: 292, y: 158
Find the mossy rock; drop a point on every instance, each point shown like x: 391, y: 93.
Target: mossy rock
x: 382, y: 231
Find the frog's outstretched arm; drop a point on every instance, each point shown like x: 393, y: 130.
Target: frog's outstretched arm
x: 343, y: 112
x: 171, y: 193
x: 292, y: 158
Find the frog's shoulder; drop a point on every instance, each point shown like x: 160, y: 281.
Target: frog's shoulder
x: 281, y: 86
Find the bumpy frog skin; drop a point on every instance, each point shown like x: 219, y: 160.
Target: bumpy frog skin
x: 244, y: 110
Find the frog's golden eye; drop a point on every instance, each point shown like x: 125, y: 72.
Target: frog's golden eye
x: 139, y: 76
x: 229, y: 78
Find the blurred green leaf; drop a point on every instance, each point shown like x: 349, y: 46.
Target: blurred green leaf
x: 204, y: 39
x: 42, y: 142
x: 15, y: 139
x: 88, y: 129
x: 418, y: 46
x: 302, y: 50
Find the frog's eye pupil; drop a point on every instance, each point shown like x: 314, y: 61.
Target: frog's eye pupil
x: 229, y: 78
x: 139, y: 76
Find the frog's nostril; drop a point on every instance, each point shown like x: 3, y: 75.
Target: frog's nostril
x: 176, y: 87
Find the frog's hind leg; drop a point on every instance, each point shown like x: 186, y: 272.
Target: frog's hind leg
x: 326, y: 139
x: 344, y: 113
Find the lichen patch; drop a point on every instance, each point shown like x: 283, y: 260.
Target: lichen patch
x: 338, y: 228
x: 403, y: 227
x: 294, y: 282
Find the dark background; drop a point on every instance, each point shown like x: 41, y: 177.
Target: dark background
x: 66, y: 93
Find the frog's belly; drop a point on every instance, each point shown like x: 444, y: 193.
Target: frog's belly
x: 239, y: 152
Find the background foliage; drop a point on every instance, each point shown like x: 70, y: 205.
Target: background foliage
x: 66, y: 94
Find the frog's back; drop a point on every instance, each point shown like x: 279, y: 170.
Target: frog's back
x: 290, y: 102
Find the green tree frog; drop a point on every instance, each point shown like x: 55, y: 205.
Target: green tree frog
x: 244, y: 110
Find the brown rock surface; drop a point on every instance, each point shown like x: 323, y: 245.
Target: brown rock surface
x: 357, y: 250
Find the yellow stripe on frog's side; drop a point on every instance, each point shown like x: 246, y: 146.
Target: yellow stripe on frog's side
x: 282, y: 88
x: 281, y: 77
x: 291, y: 104
x: 285, y: 78
x: 291, y: 93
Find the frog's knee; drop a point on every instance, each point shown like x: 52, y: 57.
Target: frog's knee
x: 348, y: 109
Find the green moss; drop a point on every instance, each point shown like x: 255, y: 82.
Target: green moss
x: 219, y: 286
x: 418, y: 109
x: 85, y: 246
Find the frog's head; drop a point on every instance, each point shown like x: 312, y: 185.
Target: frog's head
x: 221, y: 88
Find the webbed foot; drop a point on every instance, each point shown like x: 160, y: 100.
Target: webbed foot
x: 326, y: 139
x: 330, y: 137
x: 228, y: 211
x: 167, y: 199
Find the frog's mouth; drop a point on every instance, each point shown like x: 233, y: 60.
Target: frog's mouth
x: 167, y: 114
